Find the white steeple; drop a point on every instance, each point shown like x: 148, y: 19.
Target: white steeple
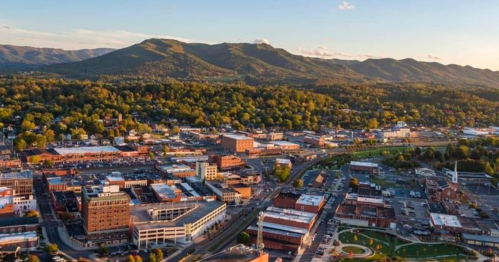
x: 454, y: 175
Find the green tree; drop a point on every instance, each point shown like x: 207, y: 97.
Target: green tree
x: 244, y: 238
x: 103, y: 250
x: 19, y: 144
x: 35, y: 159
x: 159, y: 254
x: 298, y: 183
x: 51, y: 249
x: 152, y: 257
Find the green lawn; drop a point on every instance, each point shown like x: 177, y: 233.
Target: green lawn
x: 382, y: 182
x: 354, y: 250
x: 428, y: 250
x: 385, y: 245
x: 377, y: 152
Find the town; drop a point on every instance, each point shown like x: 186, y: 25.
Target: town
x: 192, y: 194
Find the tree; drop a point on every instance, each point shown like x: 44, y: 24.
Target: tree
x: 488, y: 169
x: 32, y: 213
x: 51, y: 249
x: 27, y: 125
x: 33, y: 258
x: 138, y: 259
x: 103, y: 250
x: 35, y: 159
x: 175, y: 130
x: 354, y: 182
x: 130, y: 258
x: 19, y: 144
x: 152, y: 258
x: 151, y: 155
x: 244, y: 238
x: 462, y: 152
x: 298, y: 183
x: 166, y: 149
x: 355, y: 238
x: 373, y: 123
x: 48, y: 163
x: 159, y: 254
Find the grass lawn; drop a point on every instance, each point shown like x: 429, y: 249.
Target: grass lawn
x: 382, y: 182
x: 378, y: 246
x: 354, y: 250
x: 429, y: 250
x: 377, y: 152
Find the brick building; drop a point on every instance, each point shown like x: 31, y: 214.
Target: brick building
x: 237, y: 143
x: 20, y: 182
x: 105, y: 214
x: 229, y: 162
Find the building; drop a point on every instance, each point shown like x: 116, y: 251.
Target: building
x: 282, y: 162
x: 229, y: 162
x: 396, y: 132
x: 19, y: 231
x: 158, y: 224
x: 11, y: 204
x: 223, y: 192
x: 106, y: 214
x: 284, y: 229
x: 177, y: 170
x: 286, y: 200
x: 366, y: 207
x: 238, y: 253
x: 364, y: 167
x: 481, y: 240
x: 310, y: 203
x: 237, y: 143
x: 242, y: 189
x: 287, y: 146
x: 6, y: 201
x: 165, y: 193
x: 206, y: 171
x: 20, y: 182
x: 273, y: 136
x: 318, y: 141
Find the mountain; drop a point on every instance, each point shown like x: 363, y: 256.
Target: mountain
x: 27, y: 57
x: 410, y: 70
x: 262, y: 63
x: 226, y: 61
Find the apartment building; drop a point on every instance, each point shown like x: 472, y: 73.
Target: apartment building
x: 206, y: 171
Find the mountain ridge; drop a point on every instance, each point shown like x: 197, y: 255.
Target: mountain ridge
x: 261, y: 64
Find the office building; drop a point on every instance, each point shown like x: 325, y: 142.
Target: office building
x: 105, y: 213
x: 20, y: 182
x: 205, y: 171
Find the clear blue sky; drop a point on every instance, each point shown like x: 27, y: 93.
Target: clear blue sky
x: 446, y: 31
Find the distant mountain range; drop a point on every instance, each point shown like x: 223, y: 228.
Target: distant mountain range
x: 23, y: 57
x: 254, y: 63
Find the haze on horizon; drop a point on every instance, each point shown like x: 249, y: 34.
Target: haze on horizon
x: 445, y: 31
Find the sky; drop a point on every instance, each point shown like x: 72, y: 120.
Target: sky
x: 445, y: 31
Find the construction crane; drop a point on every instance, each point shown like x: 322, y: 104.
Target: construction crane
x: 259, y: 240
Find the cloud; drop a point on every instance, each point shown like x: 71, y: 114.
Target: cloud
x: 437, y: 58
x: 76, y: 38
x: 346, y: 6
x: 261, y: 41
x: 324, y: 52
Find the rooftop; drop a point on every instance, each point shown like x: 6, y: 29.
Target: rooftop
x: 283, y: 143
x: 364, y: 164
x: 482, y: 238
x: 164, y: 191
x: 290, y: 215
x: 445, y: 220
x: 143, y: 220
x: 310, y: 200
x: 237, y: 137
x: 86, y: 150
x: 17, y: 175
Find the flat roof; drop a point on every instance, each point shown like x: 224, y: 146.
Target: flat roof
x: 285, y: 214
x: 364, y: 164
x: 27, y: 174
x: 115, y: 178
x: 164, y: 191
x: 18, y: 237
x: 283, y: 161
x: 482, y: 238
x: 237, y: 137
x: 290, y: 229
x: 86, y: 150
x: 200, y: 209
x: 311, y: 200
x: 284, y: 143
x: 445, y: 220
x: 277, y: 232
x: 370, y: 200
x: 174, y: 168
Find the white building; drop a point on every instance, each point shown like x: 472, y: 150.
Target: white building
x: 159, y: 224
x: 205, y: 171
